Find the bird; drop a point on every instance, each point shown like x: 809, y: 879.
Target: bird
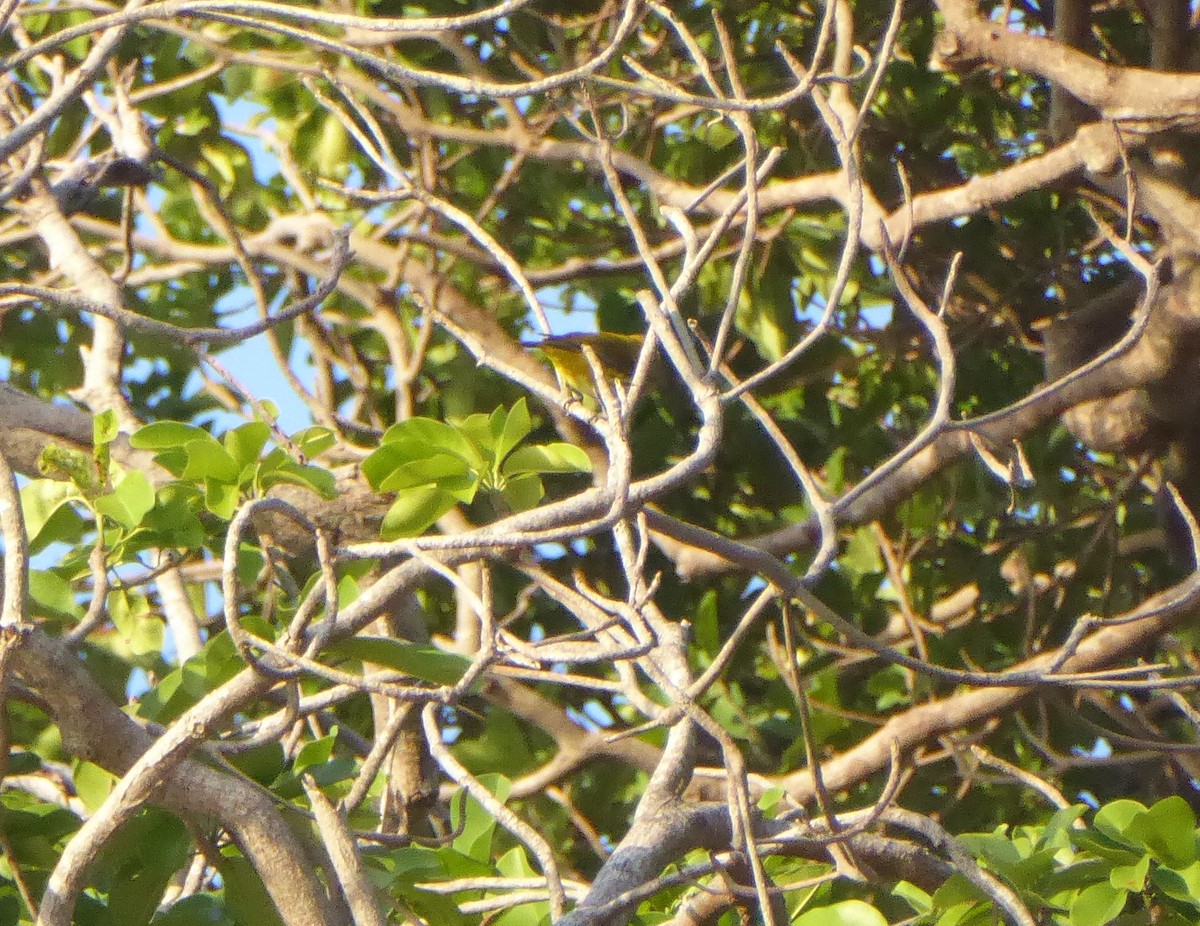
x: 617, y: 354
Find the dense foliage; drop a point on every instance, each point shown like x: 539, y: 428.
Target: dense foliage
x: 594, y: 462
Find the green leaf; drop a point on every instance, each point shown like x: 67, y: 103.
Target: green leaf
x: 173, y: 460
x: 475, y: 840
x: 769, y: 801
x: 424, y: 662
x: 421, y: 863
x: 515, y: 864
x: 1097, y: 905
x: 173, y: 520
x: 147, y: 637
x: 1098, y: 844
x: 717, y: 134
x: 170, y: 697
x: 1130, y: 877
x: 245, y: 895
x: 314, y: 441
x: 835, y: 469
x: 432, y: 908
x: 267, y: 410
x: 846, y: 913
x: 970, y: 913
x: 422, y: 437
x: 462, y: 488
x: 330, y: 153
x: 315, y: 478
x: 862, y: 554
x: 501, y: 747
x: 318, y: 752
x: 383, y: 461
x: 767, y: 317
x: 706, y: 623
x: 954, y: 891
x: 482, y: 431
x: 221, y: 498
x: 517, y: 425
x: 221, y: 161
x: 41, y: 499
x: 245, y: 443
x: 415, y: 510
x: 890, y: 686
x: 249, y: 563
x: 208, y: 460
x: 523, y: 492
x: 1114, y: 818
x: 1168, y: 829
x: 1183, y: 886
x: 263, y: 763
x: 216, y: 663
x: 130, y: 613
x: 66, y: 463
x: 396, y: 466
x: 1056, y: 833
x: 547, y: 458
x: 130, y: 501
x: 323, y: 774
x: 52, y: 594
x: 427, y: 470
x: 919, y: 900
x: 490, y: 434
x: 121, y: 612
x: 163, y: 435
x: 105, y: 428
x: 93, y: 785
x: 140, y: 861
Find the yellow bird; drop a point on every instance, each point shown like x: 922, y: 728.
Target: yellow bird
x: 617, y: 354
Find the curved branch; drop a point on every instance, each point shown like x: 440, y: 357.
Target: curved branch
x: 1144, y: 99
x: 95, y: 729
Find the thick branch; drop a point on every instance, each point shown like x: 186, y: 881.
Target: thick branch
x: 925, y: 722
x: 1128, y: 95
x: 95, y: 729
